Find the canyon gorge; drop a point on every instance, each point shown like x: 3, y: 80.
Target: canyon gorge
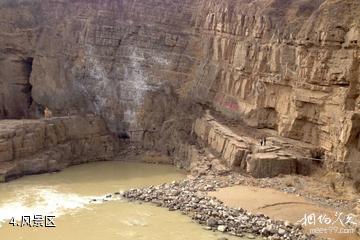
x: 291, y: 67
x: 200, y: 81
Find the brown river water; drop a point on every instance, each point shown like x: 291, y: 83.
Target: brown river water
x: 66, y: 195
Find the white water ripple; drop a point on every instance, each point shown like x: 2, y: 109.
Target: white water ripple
x: 41, y: 201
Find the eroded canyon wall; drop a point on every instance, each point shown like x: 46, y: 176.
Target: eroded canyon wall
x: 99, y: 56
x: 48, y: 145
x: 288, y: 65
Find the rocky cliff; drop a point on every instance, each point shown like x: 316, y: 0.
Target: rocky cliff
x: 292, y: 66
x: 287, y: 65
x: 39, y: 146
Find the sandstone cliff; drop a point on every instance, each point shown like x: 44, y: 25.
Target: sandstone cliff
x: 287, y: 65
x: 39, y: 146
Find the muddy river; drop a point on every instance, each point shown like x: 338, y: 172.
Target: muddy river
x: 64, y: 199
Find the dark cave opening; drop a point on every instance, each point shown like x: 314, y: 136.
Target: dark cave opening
x: 28, y: 66
x: 16, y: 92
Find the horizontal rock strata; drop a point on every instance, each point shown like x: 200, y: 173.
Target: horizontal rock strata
x: 291, y: 66
x: 47, y: 145
x: 244, y: 153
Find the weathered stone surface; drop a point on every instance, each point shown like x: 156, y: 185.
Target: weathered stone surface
x: 36, y: 146
x: 223, y: 141
x: 6, y: 150
x: 8, y: 169
x: 243, y: 153
x: 270, y: 165
x: 289, y: 66
x: 295, y: 73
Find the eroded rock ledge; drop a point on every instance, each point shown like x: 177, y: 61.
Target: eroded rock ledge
x: 291, y: 66
x: 220, y: 148
x: 48, y: 145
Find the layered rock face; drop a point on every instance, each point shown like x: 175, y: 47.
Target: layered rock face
x: 37, y: 146
x: 100, y: 56
x: 244, y: 153
x: 291, y: 66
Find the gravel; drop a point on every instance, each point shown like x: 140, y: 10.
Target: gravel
x: 190, y: 198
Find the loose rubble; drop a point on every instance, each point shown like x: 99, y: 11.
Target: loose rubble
x: 190, y: 198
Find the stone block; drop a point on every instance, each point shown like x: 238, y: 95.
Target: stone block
x: 263, y: 165
x: 6, y: 150
x: 34, y: 165
x: 8, y: 170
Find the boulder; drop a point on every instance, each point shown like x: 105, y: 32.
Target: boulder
x: 263, y: 165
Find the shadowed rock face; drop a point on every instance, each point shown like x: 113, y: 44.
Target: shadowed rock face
x: 100, y: 56
x: 288, y: 65
x: 38, y: 146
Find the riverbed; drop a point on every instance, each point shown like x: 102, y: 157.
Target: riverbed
x: 68, y: 196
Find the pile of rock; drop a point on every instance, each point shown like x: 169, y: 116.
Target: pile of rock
x: 190, y: 197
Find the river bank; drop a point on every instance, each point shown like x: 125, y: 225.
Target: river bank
x: 67, y: 195
x: 231, y: 203
x: 190, y: 197
x: 245, y: 206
